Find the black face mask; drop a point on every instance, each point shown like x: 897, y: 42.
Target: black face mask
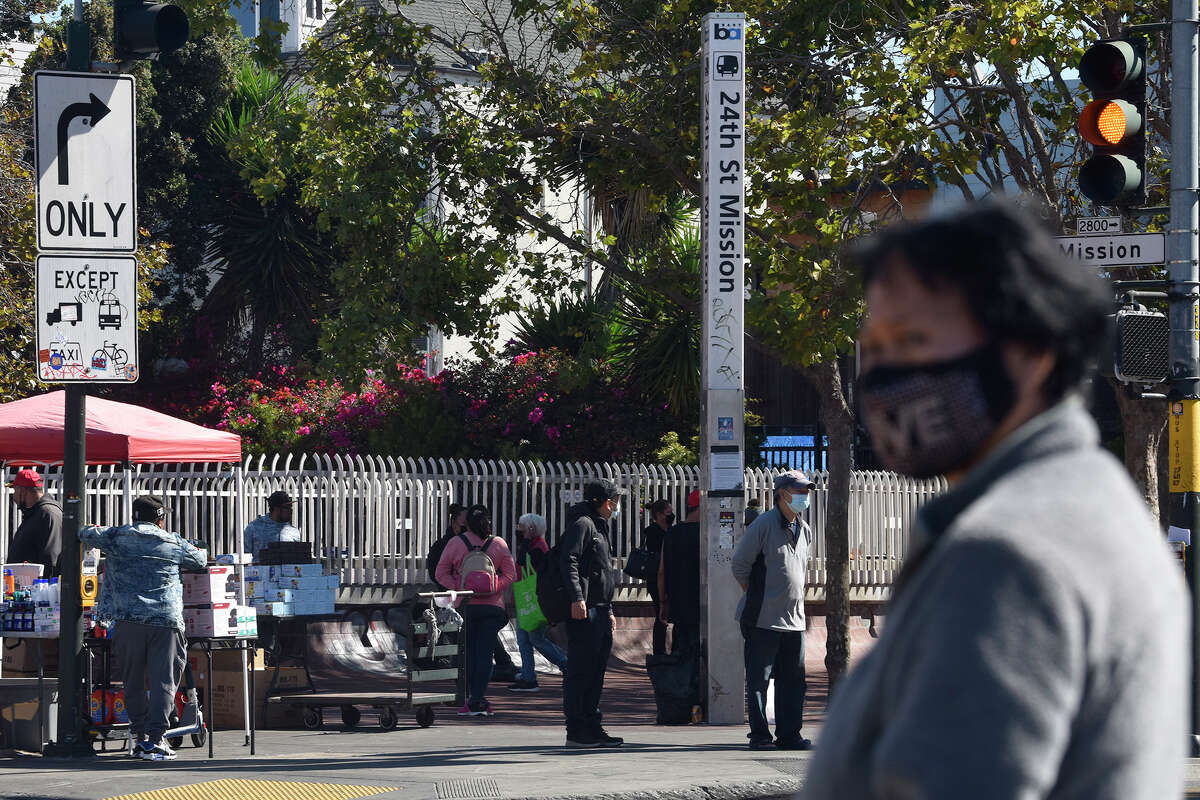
x: 930, y: 419
x: 670, y: 520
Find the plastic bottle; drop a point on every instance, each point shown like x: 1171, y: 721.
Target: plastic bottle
x: 41, y: 590
x: 10, y: 583
x: 55, y: 593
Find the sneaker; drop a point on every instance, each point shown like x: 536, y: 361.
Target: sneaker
x: 483, y: 709
x: 608, y: 741
x: 139, y: 747
x: 799, y: 743
x: 524, y: 686
x: 158, y: 752
x: 583, y: 740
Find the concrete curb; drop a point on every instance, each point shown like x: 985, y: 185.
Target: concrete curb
x: 747, y: 790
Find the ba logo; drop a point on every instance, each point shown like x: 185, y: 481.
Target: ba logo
x: 726, y: 31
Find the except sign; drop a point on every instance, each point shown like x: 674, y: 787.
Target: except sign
x: 1112, y: 251
x: 86, y: 187
x: 87, y: 319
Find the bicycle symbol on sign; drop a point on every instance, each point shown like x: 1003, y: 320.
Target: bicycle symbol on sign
x: 110, y: 354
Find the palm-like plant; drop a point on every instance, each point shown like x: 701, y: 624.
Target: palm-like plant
x: 656, y: 341
x: 577, y: 326
x: 271, y: 260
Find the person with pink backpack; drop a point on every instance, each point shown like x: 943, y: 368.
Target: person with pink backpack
x: 480, y: 562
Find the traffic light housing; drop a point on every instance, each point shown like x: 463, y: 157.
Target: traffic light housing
x: 1141, y: 345
x: 142, y: 29
x: 1114, y: 122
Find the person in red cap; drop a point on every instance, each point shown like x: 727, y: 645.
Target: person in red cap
x: 679, y: 579
x: 38, y: 540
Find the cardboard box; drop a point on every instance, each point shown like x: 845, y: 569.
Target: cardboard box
x: 215, y: 585
x: 225, y: 660
x: 20, y: 656
x: 226, y: 707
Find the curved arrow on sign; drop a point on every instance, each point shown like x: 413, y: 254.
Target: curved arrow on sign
x: 95, y: 109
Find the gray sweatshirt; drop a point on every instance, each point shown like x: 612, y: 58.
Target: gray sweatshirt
x: 774, y: 595
x: 1036, y: 643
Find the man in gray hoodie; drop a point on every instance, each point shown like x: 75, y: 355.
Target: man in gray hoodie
x: 769, y: 563
x: 1037, y: 635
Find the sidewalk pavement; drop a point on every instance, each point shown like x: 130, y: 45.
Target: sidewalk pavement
x: 519, y: 753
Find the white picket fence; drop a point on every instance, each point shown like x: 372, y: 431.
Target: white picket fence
x: 380, y: 514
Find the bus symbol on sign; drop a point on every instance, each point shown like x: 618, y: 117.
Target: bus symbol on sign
x: 727, y: 66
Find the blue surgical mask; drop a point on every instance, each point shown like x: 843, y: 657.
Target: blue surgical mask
x: 798, y: 503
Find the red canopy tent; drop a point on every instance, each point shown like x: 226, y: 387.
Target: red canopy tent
x: 31, y: 432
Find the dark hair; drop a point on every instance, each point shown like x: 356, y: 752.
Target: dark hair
x: 456, y: 509
x: 479, y: 520
x: 658, y: 507
x: 1016, y: 283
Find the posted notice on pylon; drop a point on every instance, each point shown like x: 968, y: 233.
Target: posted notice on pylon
x: 1184, y: 454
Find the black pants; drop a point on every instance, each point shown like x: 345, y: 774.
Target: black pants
x: 589, y: 642
x: 660, y: 628
x: 779, y: 655
x: 685, y: 636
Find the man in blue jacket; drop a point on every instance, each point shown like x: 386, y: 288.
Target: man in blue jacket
x: 769, y: 563
x: 143, y: 594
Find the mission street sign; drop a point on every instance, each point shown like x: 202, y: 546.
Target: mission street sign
x: 85, y: 155
x: 1111, y: 251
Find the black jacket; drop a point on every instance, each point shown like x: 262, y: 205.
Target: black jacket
x: 586, y: 560
x: 38, y: 540
x: 681, y: 573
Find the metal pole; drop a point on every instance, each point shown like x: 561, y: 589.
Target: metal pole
x: 71, y: 741
x: 1183, y: 269
x: 722, y: 439
x: 71, y: 693
x: 79, y: 47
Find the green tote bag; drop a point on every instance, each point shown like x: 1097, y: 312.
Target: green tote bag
x: 529, y: 613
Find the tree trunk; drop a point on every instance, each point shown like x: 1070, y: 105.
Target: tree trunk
x: 838, y: 421
x: 1144, y: 425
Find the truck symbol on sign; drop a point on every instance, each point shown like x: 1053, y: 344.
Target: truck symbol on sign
x: 727, y: 65
x: 110, y: 313
x: 66, y: 312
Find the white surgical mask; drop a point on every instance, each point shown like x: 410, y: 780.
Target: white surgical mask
x: 798, y: 503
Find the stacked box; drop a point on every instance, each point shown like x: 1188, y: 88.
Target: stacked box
x: 285, y: 590
x: 220, y: 619
x: 214, y: 585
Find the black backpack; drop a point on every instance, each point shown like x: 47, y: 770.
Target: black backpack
x: 552, y: 593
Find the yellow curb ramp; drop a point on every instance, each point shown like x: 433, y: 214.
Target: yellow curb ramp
x: 237, y: 789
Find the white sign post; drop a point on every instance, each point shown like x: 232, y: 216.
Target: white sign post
x: 87, y: 319
x: 1129, y: 249
x: 86, y: 181
x: 722, y: 446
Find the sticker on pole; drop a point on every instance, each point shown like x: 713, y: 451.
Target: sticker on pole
x: 87, y: 319
x: 83, y: 127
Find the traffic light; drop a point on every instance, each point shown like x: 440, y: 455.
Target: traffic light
x: 1114, y: 122
x: 142, y: 29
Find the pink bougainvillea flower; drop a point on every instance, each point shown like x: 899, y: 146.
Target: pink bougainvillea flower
x: 536, y: 415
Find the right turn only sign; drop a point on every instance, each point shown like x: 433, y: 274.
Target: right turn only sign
x: 86, y: 185
x: 87, y: 319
